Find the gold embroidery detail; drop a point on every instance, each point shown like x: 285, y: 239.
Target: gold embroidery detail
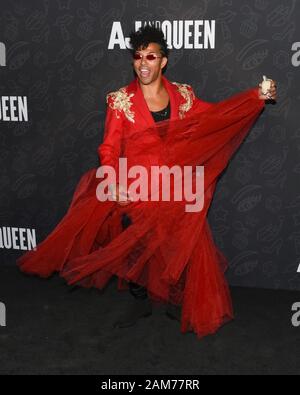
x: 188, y: 95
x: 121, y: 102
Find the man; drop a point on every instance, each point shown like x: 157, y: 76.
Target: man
x: 165, y: 253
x: 148, y: 99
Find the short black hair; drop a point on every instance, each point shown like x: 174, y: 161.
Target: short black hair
x: 146, y: 35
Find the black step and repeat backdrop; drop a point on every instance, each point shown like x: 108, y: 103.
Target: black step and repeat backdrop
x: 58, y: 60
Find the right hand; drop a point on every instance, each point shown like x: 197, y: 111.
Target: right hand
x: 117, y: 191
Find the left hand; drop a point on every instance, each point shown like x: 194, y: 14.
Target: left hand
x: 271, y: 94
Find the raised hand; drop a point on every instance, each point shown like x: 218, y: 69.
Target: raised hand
x: 271, y: 93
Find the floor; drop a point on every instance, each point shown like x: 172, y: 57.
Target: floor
x: 55, y: 329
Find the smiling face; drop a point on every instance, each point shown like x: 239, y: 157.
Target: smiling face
x: 146, y: 70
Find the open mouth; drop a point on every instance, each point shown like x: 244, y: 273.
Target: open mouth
x: 145, y: 73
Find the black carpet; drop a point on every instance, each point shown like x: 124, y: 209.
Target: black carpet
x: 55, y: 329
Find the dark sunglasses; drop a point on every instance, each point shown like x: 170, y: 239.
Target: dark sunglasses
x: 150, y: 56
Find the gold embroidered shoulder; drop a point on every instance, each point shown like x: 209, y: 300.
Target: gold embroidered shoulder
x: 187, y: 93
x: 121, y: 101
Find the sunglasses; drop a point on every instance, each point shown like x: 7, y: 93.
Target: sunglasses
x: 149, y: 56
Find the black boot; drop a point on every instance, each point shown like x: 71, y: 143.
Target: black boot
x: 140, y: 307
x: 173, y: 312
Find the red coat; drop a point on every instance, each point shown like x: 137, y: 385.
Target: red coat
x: 127, y: 112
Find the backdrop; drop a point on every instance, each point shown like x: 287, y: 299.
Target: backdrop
x: 59, y: 59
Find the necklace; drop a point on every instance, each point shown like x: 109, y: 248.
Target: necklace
x: 162, y: 113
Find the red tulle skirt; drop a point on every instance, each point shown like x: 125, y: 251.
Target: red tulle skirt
x: 166, y: 249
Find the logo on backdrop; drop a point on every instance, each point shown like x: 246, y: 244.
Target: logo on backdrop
x: 2, y: 55
x: 296, y: 55
x: 13, y: 109
x: 2, y: 314
x: 198, y: 34
x: 17, y: 238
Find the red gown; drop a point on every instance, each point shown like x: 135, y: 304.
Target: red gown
x: 169, y: 251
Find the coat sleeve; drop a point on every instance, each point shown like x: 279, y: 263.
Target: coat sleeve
x: 200, y: 105
x: 110, y: 149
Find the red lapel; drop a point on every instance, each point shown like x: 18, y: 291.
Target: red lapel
x: 175, y: 97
